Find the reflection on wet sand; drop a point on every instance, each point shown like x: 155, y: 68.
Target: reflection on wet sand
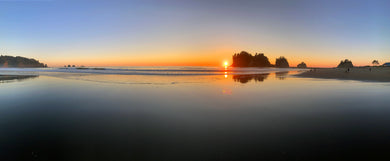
x: 281, y: 75
x: 248, y: 77
x: 13, y: 78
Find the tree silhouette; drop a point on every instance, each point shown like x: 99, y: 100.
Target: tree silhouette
x: 259, y: 60
x: 242, y: 59
x: 375, y: 62
x: 245, y: 59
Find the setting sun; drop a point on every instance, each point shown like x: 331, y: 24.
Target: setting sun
x: 225, y: 63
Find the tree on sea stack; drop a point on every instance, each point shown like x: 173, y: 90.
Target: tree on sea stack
x: 260, y: 60
x: 281, y: 62
x: 245, y: 59
x: 242, y: 59
x: 345, y: 64
x: 302, y: 65
x: 375, y: 62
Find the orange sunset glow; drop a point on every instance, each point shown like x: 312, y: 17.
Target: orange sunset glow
x: 194, y: 80
x: 321, y: 58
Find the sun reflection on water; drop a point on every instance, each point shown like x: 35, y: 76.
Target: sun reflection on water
x: 227, y: 92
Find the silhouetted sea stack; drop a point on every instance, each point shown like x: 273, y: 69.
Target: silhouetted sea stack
x: 19, y: 62
x: 345, y: 64
x: 281, y: 62
x: 302, y: 65
x: 245, y: 59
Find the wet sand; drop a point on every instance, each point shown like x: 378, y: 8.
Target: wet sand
x: 376, y: 74
x: 100, y: 117
x: 8, y: 78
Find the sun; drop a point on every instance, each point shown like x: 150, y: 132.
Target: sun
x: 225, y: 64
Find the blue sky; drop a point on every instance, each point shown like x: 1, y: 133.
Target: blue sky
x: 118, y: 32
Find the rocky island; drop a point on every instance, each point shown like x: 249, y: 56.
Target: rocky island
x: 19, y: 62
x: 245, y: 59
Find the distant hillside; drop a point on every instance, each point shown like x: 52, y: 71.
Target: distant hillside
x: 19, y: 62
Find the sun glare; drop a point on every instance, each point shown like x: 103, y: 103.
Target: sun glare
x: 225, y: 64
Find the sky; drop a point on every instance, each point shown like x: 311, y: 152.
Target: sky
x: 195, y: 32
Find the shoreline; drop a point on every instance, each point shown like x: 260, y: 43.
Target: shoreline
x: 173, y: 71
x: 370, y: 74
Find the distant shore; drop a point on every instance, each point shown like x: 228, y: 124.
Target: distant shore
x: 375, y: 74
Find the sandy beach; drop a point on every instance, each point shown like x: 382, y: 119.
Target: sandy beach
x: 378, y: 74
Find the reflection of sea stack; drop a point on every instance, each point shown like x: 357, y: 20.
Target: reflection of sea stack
x: 281, y: 75
x: 249, y: 77
x: 10, y: 78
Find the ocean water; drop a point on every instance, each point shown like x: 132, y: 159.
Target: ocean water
x: 149, y: 70
x: 189, y: 113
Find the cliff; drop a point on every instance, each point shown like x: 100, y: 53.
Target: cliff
x: 19, y: 62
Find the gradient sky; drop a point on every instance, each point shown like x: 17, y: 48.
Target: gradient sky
x: 197, y: 32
